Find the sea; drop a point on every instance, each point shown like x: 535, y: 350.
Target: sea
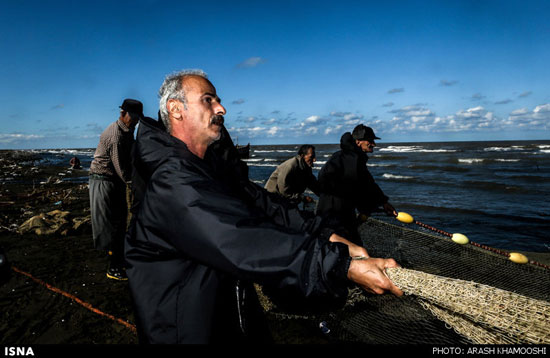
x: 495, y: 193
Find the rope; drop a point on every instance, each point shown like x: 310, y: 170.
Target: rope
x: 77, y: 300
x: 496, y: 251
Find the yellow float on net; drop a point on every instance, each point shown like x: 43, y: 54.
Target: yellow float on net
x: 404, y: 218
x: 460, y: 239
x: 518, y: 258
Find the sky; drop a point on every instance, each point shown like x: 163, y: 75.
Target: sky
x: 288, y: 72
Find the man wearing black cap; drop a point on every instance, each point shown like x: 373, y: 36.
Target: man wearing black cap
x: 110, y: 172
x: 346, y: 184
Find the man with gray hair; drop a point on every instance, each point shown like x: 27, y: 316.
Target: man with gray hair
x: 203, y: 232
x: 172, y: 89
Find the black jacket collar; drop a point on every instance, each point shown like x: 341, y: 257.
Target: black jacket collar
x: 347, y: 143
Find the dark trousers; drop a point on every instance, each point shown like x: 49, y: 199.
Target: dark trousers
x: 109, y: 212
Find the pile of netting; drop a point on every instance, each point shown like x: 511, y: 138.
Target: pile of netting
x: 454, y: 294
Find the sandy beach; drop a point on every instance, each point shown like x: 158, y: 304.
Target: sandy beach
x: 65, y: 259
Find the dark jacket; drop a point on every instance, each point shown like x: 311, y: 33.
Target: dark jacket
x: 5, y: 268
x: 291, y: 179
x: 346, y: 184
x: 202, y: 233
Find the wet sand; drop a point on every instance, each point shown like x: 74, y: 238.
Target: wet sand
x: 29, y: 312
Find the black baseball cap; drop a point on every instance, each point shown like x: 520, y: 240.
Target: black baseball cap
x: 132, y: 106
x: 362, y: 132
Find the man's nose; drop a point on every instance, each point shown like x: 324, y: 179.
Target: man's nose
x: 220, y: 109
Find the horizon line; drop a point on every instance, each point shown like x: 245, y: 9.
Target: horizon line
x: 313, y: 143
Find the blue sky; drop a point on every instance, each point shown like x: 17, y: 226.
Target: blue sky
x: 287, y: 71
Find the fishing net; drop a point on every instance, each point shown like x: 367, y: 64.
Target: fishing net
x: 495, y: 316
x: 454, y: 294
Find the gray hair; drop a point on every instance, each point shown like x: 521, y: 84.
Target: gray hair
x: 172, y: 89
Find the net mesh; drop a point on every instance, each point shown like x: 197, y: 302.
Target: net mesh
x: 417, y: 318
x: 480, y: 312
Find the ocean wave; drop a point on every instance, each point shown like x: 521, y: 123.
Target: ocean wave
x: 470, y: 160
x: 380, y: 165
x: 253, y: 160
x: 506, y: 160
x: 504, y: 149
x: 413, y: 148
x: 69, y: 151
x: 253, y: 164
x: 397, y: 177
x: 274, y: 151
x: 320, y: 162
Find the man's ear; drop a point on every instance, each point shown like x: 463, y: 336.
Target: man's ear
x: 174, y: 109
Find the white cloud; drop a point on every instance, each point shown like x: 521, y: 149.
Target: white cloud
x: 544, y: 108
x: 269, y: 121
x: 312, y: 130
x: 312, y: 119
x: 8, y: 138
x: 447, y: 83
x: 333, y: 130
x: 418, y: 118
x: 348, y: 118
x: 338, y: 114
x: 477, y: 97
x: 519, y: 112
x: 273, y: 131
x: 537, y: 119
x: 251, y: 62
x: 396, y: 90
x: 353, y: 117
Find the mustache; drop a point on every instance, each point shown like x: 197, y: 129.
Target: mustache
x: 217, y: 119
